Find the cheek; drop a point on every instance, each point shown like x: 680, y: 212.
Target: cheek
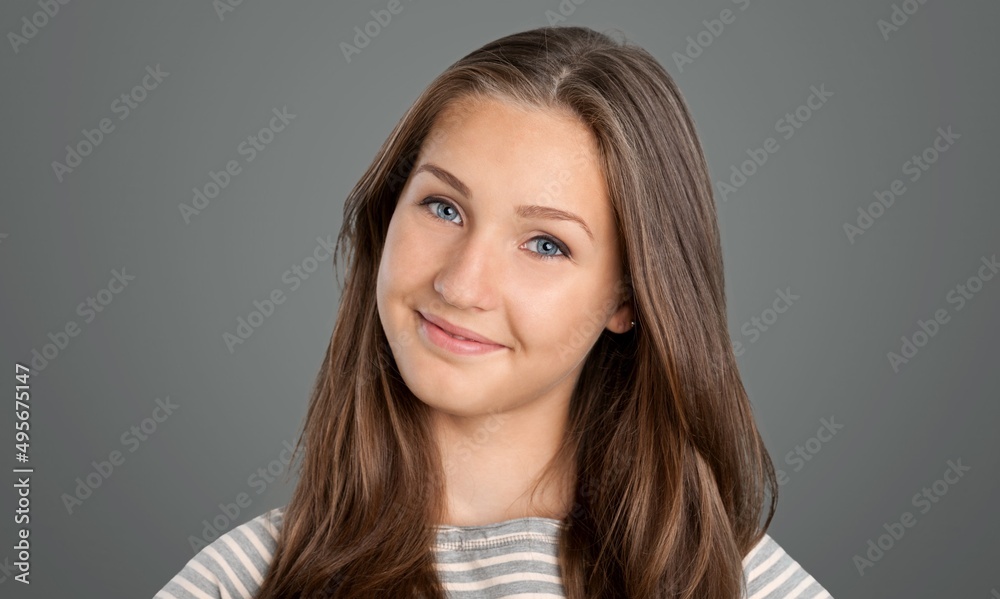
x: 388, y: 264
x: 561, y: 322
x: 403, y: 267
x: 591, y: 318
x: 581, y: 328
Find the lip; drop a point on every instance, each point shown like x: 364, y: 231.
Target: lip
x: 439, y: 332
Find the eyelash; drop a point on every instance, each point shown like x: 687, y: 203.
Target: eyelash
x: 559, y: 245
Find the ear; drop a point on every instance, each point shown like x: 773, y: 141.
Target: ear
x: 621, y: 320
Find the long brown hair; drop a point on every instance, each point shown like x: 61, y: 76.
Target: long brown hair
x: 672, y: 476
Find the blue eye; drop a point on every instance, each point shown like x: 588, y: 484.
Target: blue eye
x: 428, y: 201
x: 552, y: 244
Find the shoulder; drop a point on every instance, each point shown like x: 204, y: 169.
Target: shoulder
x: 232, y: 566
x: 771, y: 573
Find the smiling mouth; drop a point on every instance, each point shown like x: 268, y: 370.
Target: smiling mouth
x: 456, y: 331
x: 453, y: 343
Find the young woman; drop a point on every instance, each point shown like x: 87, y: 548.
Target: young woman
x: 530, y: 389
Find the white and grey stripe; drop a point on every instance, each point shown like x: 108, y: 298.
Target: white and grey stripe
x: 514, y: 558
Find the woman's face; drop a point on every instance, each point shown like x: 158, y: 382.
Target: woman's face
x: 473, y: 242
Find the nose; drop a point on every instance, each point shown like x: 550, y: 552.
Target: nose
x: 470, y: 276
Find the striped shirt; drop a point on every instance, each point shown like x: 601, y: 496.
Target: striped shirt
x: 514, y: 558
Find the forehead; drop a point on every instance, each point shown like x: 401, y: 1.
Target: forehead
x: 483, y: 124
x: 509, y: 153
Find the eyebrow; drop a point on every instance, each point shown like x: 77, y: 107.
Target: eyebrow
x: 524, y: 211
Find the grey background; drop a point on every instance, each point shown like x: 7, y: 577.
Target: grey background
x: 825, y: 357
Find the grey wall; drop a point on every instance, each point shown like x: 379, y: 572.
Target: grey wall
x: 160, y: 337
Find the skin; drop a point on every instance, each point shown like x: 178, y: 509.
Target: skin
x: 498, y: 418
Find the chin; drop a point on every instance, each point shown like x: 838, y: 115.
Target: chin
x: 448, y: 401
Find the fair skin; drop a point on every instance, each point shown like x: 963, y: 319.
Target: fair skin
x: 468, y: 257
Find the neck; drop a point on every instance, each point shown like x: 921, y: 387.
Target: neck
x: 492, y: 463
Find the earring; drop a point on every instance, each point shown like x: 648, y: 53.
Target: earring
x: 633, y: 324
